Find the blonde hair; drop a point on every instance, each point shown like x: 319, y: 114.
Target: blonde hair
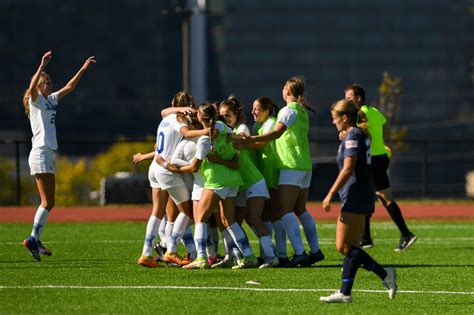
x: 208, y: 113
x: 189, y: 119
x: 352, y: 111
x: 296, y: 88
x: 26, y: 96
x: 182, y: 99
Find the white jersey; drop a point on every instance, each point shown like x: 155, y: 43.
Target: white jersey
x: 184, y: 155
x: 43, y: 121
x: 168, y: 137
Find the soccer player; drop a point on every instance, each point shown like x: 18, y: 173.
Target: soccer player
x: 254, y: 192
x: 357, y: 201
x: 41, y: 104
x: 221, y: 185
x: 377, y: 127
x: 295, y: 165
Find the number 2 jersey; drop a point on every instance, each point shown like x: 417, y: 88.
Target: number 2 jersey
x: 43, y: 121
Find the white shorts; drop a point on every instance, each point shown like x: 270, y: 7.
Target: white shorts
x: 41, y: 160
x: 225, y: 192
x: 179, y: 194
x: 259, y: 189
x: 302, y: 179
x: 152, y: 175
x: 197, y: 192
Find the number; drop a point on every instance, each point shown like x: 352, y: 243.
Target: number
x: 53, y: 118
x: 161, y: 142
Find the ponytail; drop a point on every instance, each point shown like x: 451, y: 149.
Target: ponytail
x: 26, y: 105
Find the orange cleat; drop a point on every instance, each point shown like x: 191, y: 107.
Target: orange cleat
x: 148, y: 261
x: 175, y: 259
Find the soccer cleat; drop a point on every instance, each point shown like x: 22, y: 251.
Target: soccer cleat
x: 173, y: 258
x: 198, y: 263
x: 366, y: 243
x: 211, y: 260
x: 43, y: 250
x: 247, y: 262
x: 336, y: 297
x: 224, y: 263
x: 390, y: 282
x: 32, y: 245
x: 406, y: 242
x: 312, y: 259
x: 148, y: 261
x: 270, y: 263
x: 297, y: 260
x: 283, y: 261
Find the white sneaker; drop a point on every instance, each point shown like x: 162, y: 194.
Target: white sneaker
x: 270, y: 263
x: 336, y: 297
x: 390, y: 282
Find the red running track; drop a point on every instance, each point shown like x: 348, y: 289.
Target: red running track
x: 448, y: 212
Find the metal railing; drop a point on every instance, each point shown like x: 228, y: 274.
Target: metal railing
x: 427, y: 168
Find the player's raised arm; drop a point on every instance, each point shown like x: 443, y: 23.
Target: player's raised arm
x: 71, y: 85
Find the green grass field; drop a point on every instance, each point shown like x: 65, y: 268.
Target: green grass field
x: 94, y: 270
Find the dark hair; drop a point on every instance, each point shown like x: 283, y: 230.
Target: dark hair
x: 267, y: 104
x: 234, y: 105
x: 358, y: 91
x: 296, y: 87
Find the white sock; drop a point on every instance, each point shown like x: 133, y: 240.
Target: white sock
x: 240, y: 239
x: 229, y: 243
x: 39, y: 222
x: 280, y: 239
x: 179, y: 227
x: 293, y: 230
x: 267, y: 246
x: 161, y: 231
x: 200, y: 237
x: 150, y: 235
x: 188, y: 241
x: 168, y: 232
x: 309, y: 227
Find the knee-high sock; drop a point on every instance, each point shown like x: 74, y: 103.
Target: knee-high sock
x: 180, y: 225
x: 212, y: 241
x: 366, y: 235
x: 266, y: 247
x: 161, y: 232
x: 150, y: 235
x: 229, y: 243
x: 349, y: 270
x: 396, y: 214
x: 240, y: 239
x: 309, y: 227
x: 361, y: 258
x: 280, y: 239
x: 168, y: 231
x: 39, y: 222
x: 188, y: 241
x: 293, y: 230
x: 200, y: 237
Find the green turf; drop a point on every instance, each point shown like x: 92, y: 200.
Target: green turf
x: 99, y: 260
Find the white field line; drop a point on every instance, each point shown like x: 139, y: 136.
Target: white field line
x: 106, y: 287
x: 424, y: 240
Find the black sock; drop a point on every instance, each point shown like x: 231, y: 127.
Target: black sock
x: 360, y: 257
x: 349, y: 270
x: 397, y: 217
x: 366, y: 235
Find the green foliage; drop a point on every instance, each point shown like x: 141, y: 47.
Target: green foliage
x: 72, y: 182
x: 118, y: 158
x: 389, y: 103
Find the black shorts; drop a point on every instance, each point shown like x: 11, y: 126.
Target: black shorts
x: 379, y: 167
